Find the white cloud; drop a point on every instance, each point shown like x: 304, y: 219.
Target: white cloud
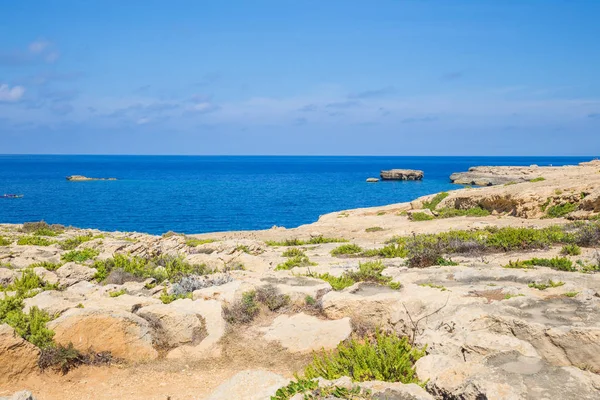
x: 38, y: 46
x: 9, y: 94
x: 52, y: 57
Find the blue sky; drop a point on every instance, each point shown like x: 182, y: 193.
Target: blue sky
x: 446, y: 77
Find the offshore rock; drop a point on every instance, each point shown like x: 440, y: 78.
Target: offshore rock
x: 402, y: 175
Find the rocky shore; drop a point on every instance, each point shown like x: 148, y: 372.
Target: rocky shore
x: 479, y: 293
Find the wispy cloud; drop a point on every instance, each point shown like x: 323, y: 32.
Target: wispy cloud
x: 374, y: 93
x: 11, y: 94
x: 39, y: 51
x: 452, y: 76
x: 343, y: 104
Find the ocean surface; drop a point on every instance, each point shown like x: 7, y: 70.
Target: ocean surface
x: 196, y: 194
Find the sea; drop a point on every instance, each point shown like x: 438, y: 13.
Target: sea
x: 198, y: 194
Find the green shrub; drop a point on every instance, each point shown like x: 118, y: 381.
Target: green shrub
x: 171, y: 234
x: 517, y: 265
x: 538, y: 179
x: 47, y: 265
x: 374, y: 229
x: 322, y: 240
x: 437, y: 199
x: 571, y: 294
x: 559, y: 263
x: 544, y: 286
x: 242, y: 311
x: 117, y: 293
x: 160, y: 268
x: 310, y: 390
x: 243, y: 248
x: 27, y: 282
x: 269, y: 296
x: 4, y: 241
x: 346, y: 249
x: 385, y: 357
x: 41, y: 228
x: 74, y: 242
x: 295, y: 387
x: 298, y: 242
x: 309, y: 300
x: 193, y: 242
x: 167, y: 298
x: 570, y: 250
x: 367, y: 272
x: 470, y: 212
x: 297, y: 261
x: 33, y: 241
x: 293, y: 252
x: 79, y: 255
x: 337, y: 282
x: 421, y: 216
x: 433, y: 286
x: 560, y: 210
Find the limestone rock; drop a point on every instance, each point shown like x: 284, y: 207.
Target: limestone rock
x: 372, y: 180
x: 395, y: 391
x: 124, y: 334
x: 74, y: 272
x: 18, y: 357
x: 7, y: 276
x: 249, y: 385
x: 45, y: 275
x: 305, y: 333
x: 53, y: 302
x: 22, y: 395
x: 402, y: 175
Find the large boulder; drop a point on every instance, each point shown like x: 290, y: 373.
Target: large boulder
x: 305, y: 333
x: 402, y: 175
x: 249, y: 385
x: 71, y: 273
x: 124, y: 334
x: 18, y: 357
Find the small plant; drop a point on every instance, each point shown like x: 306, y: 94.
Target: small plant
x: 193, y: 242
x: 337, y: 282
x: 381, y: 213
x: 66, y: 358
x: 310, y: 301
x: 538, y: 179
x: 80, y: 305
x: 346, y: 249
x: 167, y: 298
x: 117, y: 293
x: 510, y: 183
x: 41, y: 228
x: 437, y: 199
x: 171, y: 234
x: 421, y: 216
x: 73, y: 243
x: 298, y: 242
x: 570, y: 250
x: 544, y: 286
x: 243, y: 248
x: 433, y: 286
x: 367, y: 272
x: 33, y: 241
x: 299, y: 386
x: 4, y: 241
x: 374, y: 229
x: 469, y: 212
x: 269, y: 296
x: 509, y: 296
x: 558, y: 263
x: 296, y: 261
x: 293, y: 252
x: 242, y: 311
x: 384, y: 357
x: 47, y: 265
x: 571, y: 294
x: 80, y: 255
x: 560, y: 210
x: 518, y: 265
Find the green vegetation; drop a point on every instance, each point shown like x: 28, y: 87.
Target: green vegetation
x: 117, y: 293
x: 518, y: 265
x: 26, y: 285
x: 193, y: 242
x: 538, y: 179
x: 47, y: 265
x: 298, y: 242
x: 80, y: 255
x: 544, y: 286
x: 346, y: 249
x: 571, y: 294
x: 311, y: 390
x: 167, y: 298
x: 560, y: 210
x: 4, y: 241
x: 248, y: 307
x: 296, y: 261
x: 367, y: 272
x: 570, y: 250
x: 243, y: 248
x: 374, y: 229
x: 309, y: 300
x: 509, y: 296
x: 74, y: 242
x: 421, y: 216
x: 172, y: 268
x: 433, y: 286
x: 384, y: 357
x: 437, y: 199
x: 510, y: 183
x: 41, y: 228
x: 558, y: 263
x: 469, y: 212
x: 33, y: 241
x: 293, y: 252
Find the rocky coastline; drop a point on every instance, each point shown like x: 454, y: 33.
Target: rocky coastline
x: 494, y: 290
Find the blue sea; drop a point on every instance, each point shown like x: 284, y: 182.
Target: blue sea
x: 196, y: 194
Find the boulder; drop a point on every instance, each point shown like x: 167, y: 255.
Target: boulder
x: 45, y: 275
x: 18, y: 357
x: 175, y: 324
x: 372, y: 180
x: 124, y: 334
x: 53, y: 302
x: 7, y: 276
x: 395, y: 391
x: 304, y: 333
x: 72, y: 272
x: 249, y: 385
x: 402, y: 175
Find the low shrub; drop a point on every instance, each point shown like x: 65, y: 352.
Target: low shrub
x: 470, y: 212
x: 293, y: 252
x: 4, y: 241
x: 346, y: 249
x: 66, y: 358
x: 74, y: 242
x: 269, y: 296
x: 167, y: 298
x: 47, y: 265
x: 42, y: 228
x: 298, y: 242
x: 193, y: 242
x: 374, y: 229
x: 571, y: 294
x: 33, y: 241
x: 544, y: 286
x: 242, y: 311
x: 538, y: 179
x: 117, y: 293
x: 518, y: 265
x: 560, y: 210
x: 296, y: 261
x: 570, y: 250
x: 367, y: 272
x: 558, y: 263
x: 421, y: 216
x: 27, y: 283
x: 437, y: 199
x: 30, y: 326
x: 384, y: 357
x: 80, y: 256
x: 337, y: 282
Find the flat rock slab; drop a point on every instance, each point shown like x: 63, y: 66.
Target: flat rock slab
x: 249, y: 385
x: 305, y: 333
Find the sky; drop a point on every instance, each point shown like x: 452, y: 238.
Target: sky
x: 311, y: 77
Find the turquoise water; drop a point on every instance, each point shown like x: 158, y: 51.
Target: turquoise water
x: 156, y: 194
